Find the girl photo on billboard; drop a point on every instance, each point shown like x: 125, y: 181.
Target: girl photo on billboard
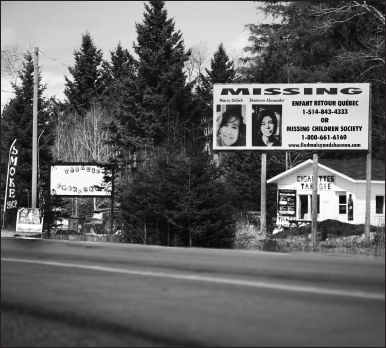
x: 266, y: 125
x: 230, y: 125
x: 29, y: 216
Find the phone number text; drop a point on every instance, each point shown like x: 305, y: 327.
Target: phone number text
x: 325, y: 112
x: 324, y: 137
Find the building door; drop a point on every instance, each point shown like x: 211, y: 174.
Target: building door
x: 303, y: 207
x: 342, y: 205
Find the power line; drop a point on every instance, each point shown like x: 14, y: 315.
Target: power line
x: 93, y: 77
x: 56, y: 92
x: 54, y: 59
x: 65, y: 60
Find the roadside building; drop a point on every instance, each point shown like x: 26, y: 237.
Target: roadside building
x: 341, y: 192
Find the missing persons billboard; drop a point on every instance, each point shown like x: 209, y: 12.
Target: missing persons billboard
x: 291, y: 117
x: 79, y: 180
x: 29, y: 221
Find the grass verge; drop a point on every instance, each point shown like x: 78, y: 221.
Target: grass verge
x: 333, y: 237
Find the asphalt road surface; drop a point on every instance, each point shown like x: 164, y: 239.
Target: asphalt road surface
x: 69, y: 293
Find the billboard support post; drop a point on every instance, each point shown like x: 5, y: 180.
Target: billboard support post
x: 368, y: 178
x: 78, y: 179
x: 314, y: 209
x: 263, y: 219
x: 112, y: 201
x: 49, y: 202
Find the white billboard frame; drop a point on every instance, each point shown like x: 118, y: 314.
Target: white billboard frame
x: 291, y: 117
x: 73, y: 179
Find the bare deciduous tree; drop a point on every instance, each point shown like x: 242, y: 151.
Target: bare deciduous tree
x: 237, y: 56
x: 352, y: 9
x: 195, y: 65
x: 372, y: 35
x: 11, y: 62
x: 370, y: 58
x: 82, y: 139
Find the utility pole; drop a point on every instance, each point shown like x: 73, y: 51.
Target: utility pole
x: 35, y: 129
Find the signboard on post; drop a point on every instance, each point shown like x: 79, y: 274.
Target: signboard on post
x: 10, y: 198
x: 287, y: 203
x: 291, y: 117
x: 29, y: 223
x: 79, y: 180
x: 75, y: 179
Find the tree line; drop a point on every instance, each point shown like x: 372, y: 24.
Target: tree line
x: 151, y: 115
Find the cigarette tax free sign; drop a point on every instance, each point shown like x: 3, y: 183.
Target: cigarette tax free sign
x: 291, y: 117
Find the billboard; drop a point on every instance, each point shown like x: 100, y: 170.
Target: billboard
x: 79, y: 180
x: 291, y: 117
x: 29, y: 221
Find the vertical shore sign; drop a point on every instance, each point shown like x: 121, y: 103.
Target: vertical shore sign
x: 29, y: 223
x: 10, y: 199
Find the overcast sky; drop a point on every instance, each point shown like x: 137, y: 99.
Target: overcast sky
x: 56, y: 28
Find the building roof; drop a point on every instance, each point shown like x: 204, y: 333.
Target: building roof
x: 353, y: 170
x: 356, y: 168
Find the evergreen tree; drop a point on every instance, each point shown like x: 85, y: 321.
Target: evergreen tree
x: 177, y: 198
x: 161, y: 80
x: 122, y: 64
x: 114, y: 74
x: 120, y: 99
x: 222, y: 71
x: 87, y: 84
x: 155, y: 102
x: 175, y: 194
x: 17, y: 123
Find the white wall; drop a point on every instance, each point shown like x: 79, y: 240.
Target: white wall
x: 360, y: 212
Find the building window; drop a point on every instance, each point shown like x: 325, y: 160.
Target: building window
x: 379, y: 204
x: 342, y: 204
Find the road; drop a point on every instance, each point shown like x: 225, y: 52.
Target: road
x: 69, y: 293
